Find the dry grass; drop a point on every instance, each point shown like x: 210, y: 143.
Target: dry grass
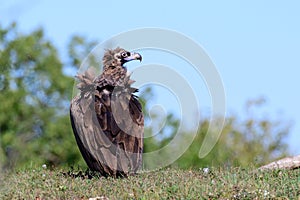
x: 217, y: 183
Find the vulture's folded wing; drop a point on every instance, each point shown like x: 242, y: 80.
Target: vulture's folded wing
x: 108, y: 126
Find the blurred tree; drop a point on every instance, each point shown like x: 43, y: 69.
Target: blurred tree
x: 255, y: 140
x: 78, y: 49
x: 35, y: 94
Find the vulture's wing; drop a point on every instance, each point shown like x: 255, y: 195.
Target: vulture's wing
x: 108, y: 126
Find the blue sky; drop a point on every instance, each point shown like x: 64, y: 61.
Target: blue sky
x: 255, y: 45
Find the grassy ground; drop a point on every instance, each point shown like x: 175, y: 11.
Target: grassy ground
x: 235, y: 183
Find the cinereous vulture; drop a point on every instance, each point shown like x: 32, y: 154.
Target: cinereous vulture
x: 107, y: 118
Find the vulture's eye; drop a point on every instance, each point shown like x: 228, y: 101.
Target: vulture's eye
x: 125, y: 54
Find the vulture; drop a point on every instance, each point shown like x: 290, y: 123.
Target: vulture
x: 107, y: 118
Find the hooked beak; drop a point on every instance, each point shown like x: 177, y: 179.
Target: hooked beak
x: 133, y: 56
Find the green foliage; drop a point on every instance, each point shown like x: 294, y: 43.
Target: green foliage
x: 34, y: 125
x: 79, y: 48
x: 254, y: 140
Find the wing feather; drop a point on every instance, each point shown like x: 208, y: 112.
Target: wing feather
x: 108, y: 126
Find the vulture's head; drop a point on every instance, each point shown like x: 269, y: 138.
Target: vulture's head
x: 117, y: 57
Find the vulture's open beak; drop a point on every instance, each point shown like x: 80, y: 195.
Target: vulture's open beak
x: 133, y: 56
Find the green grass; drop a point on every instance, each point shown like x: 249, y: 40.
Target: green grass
x: 218, y: 183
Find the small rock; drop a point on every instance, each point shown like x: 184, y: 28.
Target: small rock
x: 99, y: 198
x: 206, y: 170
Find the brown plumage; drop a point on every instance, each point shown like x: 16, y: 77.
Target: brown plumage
x: 107, y: 118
